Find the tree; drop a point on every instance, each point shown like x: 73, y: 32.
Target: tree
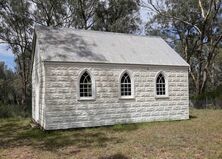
x: 16, y: 29
x: 117, y: 16
x: 194, y: 29
x: 50, y: 12
x: 83, y: 12
x: 217, y: 75
x: 65, y: 13
x: 7, y: 88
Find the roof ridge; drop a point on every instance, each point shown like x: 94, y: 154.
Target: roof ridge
x: 97, y: 31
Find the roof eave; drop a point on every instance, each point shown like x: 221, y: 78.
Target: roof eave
x: 69, y: 62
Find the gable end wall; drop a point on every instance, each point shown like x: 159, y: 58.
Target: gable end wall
x: 38, y: 70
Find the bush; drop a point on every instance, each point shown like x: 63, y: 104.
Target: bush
x: 209, y: 99
x: 7, y: 111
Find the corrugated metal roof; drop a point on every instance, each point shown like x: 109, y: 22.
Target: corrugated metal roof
x: 71, y: 45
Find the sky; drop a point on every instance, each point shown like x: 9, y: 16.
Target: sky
x: 7, y: 56
x: 9, y: 59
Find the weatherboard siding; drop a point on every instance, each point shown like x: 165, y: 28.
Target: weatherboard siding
x: 63, y: 109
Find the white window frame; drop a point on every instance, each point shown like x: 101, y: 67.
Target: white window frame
x: 93, y: 97
x: 166, y: 95
x: 132, y: 96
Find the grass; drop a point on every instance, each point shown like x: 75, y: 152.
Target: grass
x: 199, y: 137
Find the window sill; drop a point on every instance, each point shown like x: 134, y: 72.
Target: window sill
x: 127, y: 97
x: 161, y: 96
x: 86, y: 99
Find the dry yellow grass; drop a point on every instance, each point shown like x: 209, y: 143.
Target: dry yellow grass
x: 199, y: 137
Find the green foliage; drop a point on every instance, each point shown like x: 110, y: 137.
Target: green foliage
x: 82, y: 13
x: 117, y: 16
x: 214, y: 96
x: 7, y: 111
x: 50, y: 12
x: 7, y: 85
x: 217, y: 93
x: 10, y: 94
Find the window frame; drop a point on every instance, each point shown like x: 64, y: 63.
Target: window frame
x: 166, y: 95
x: 132, y: 96
x: 93, y: 97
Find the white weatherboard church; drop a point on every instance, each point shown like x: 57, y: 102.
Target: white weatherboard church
x: 89, y: 78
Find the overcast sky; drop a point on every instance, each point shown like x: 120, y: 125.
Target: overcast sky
x: 9, y: 59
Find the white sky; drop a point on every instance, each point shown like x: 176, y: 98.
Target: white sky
x: 5, y: 51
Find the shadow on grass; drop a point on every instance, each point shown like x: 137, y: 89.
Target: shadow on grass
x: 14, y: 134
x: 192, y: 116
x: 124, y: 127
x: 116, y: 156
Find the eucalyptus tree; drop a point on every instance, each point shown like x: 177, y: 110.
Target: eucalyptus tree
x: 118, y: 16
x: 194, y: 28
x: 65, y: 13
x: 53, y: 13
x: 83, y: 13
x: 16, y: 28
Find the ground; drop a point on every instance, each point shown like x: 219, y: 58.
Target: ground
x: 199, y: 137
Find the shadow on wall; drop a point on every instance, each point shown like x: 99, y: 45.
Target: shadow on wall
x: 68, y: 43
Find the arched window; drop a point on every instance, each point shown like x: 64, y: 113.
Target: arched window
x: 126, y: 89
x: 160, y: 85
x: 85, y: 85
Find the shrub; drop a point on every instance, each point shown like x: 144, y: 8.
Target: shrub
x: 7, y: 111
x: 209, y: 99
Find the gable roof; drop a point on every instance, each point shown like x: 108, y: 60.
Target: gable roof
x: 71, y: 45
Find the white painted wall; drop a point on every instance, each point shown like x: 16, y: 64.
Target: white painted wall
x: 37, y: 87
x: 63, y: 109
